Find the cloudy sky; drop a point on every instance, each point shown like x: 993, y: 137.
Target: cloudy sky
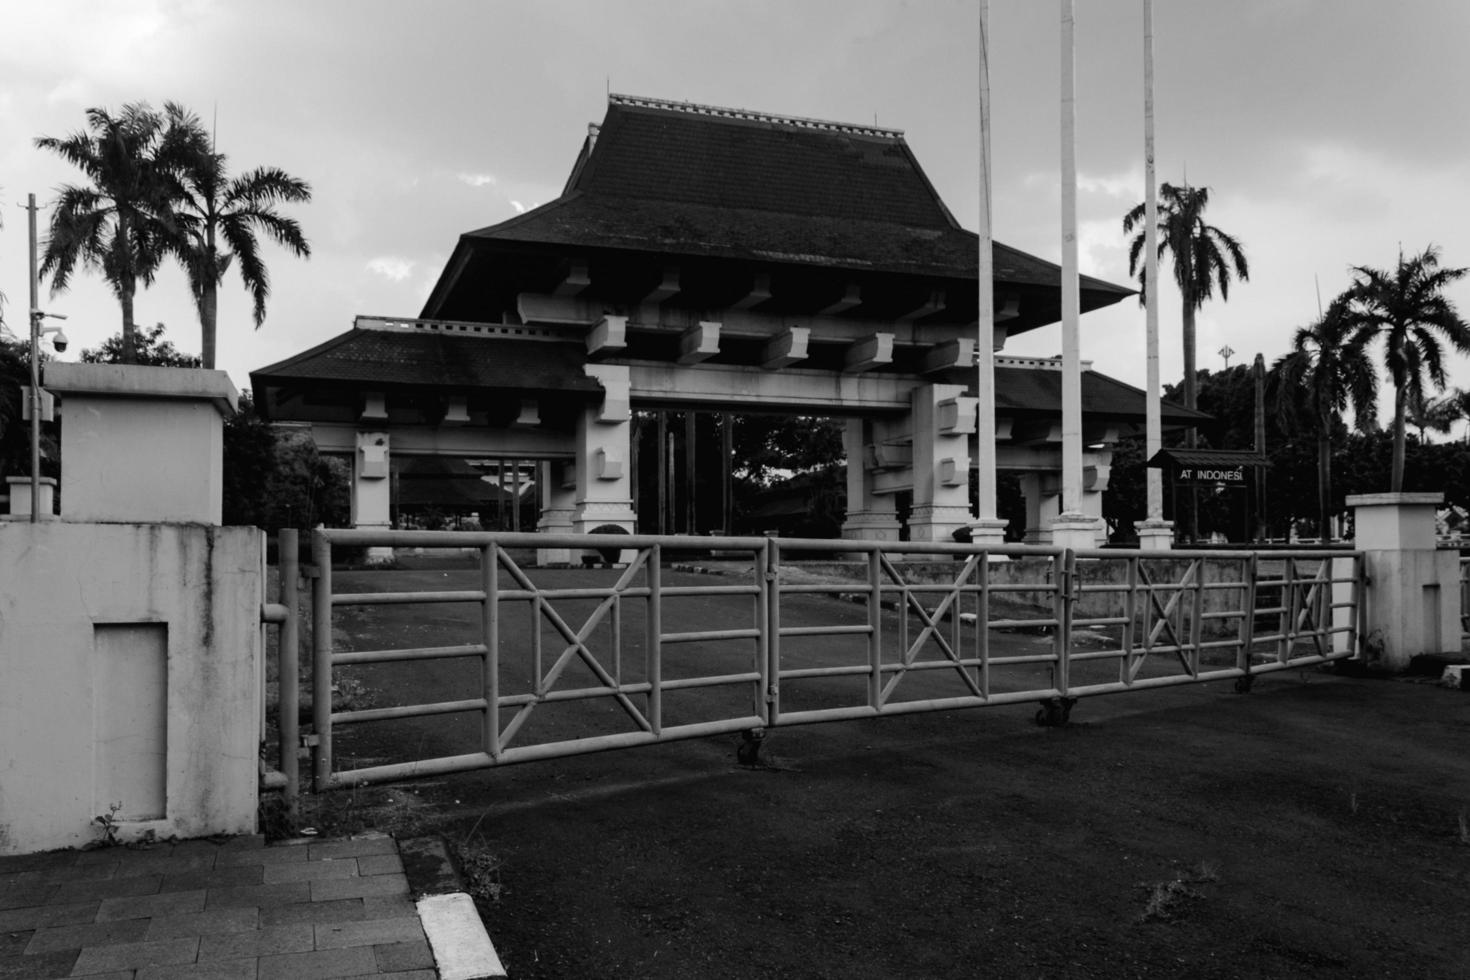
x: 1330, y: 132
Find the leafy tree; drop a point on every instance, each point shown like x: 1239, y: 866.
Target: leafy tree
x: 275, y: 479
x: 1408, y: 308
x: 149, y: 348
x: 15, y: 431
x: 1203, y: 258
x: 1326, y: 373
x: 768, y: 447
x: 219, y: 219
x: 120, y: 224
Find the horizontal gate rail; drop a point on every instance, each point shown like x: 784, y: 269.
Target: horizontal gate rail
x: 936, y: 626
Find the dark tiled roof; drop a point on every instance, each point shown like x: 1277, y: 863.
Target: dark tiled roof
x: 399, y: 358
x: 687, y: 180
x: 1020, y: 391
x: 1169, y: 458
x: 691, y: 155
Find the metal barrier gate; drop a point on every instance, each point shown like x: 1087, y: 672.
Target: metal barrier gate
x: 771, y: 647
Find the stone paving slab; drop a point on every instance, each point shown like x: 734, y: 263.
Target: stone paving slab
x: 229, y: 909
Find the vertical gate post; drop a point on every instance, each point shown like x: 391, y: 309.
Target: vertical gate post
x: 288, y: 701
x: 321, y: 661
x: 1197, y: 618
x: 1066, y: 599
x: 490, y: 635
x: 771, y: 586
x: 875, y: 629
x: 655, y: 668
x: 1248, y: 618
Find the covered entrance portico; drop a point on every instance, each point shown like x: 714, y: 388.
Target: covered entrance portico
x: 814, y: 272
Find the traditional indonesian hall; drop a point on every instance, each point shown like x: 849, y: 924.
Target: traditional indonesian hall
x: 711, y: 260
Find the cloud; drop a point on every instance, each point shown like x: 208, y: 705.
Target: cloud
x: 520, y: 208
x: 1128, y: 186
x: 391, y: 267
x: 478, y: 180
x: 69, y: 91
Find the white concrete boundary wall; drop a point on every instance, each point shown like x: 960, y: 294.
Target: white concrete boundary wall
x: 128, y: 675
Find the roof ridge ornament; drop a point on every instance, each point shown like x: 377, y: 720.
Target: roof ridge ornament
x: 747, y: 115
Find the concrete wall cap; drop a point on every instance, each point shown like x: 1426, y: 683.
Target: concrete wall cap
x: 1395, y: 499
x: 139, y: 381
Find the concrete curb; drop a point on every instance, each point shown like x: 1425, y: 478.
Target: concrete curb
x: 461, y: 946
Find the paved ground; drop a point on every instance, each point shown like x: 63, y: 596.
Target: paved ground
x: 220, y: 910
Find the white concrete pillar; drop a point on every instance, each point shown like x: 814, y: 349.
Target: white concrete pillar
x: 1413, y: 596
x: 604, y: 493
x: 372, y: 488
x: 871, y: 516
x: 559, y: 500
x: 141, y: 444
x: 1155, y: 535
x: 943, y: 421
x: 1043, y: 496
x: 20, y: 498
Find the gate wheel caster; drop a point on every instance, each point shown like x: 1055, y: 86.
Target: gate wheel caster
x: 1055, y: 712
x: 1243, y: 684
x: 748, y: 752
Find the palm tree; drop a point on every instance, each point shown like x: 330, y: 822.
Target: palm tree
x: 1326, y: 373
x: 1408, y: 308
x: 118, y: 225
x: 1439, y: 414
x: 1203, y: 257
x: 216, y: 210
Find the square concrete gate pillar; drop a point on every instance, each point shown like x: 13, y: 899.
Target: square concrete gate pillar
x: 1413, y: 595
x: 130, y: 630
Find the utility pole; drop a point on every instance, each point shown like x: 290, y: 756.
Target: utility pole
x: 35, y: 392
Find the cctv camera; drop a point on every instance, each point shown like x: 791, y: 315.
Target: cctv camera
x: 59, y: 342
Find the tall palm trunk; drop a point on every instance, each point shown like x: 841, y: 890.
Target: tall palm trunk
x: 209, y: 297
x: 1191, y: 437
x: 125, y: 290
x: 208, y: 311
x: 1400, y: 411
x: 1324, y: 472
x: 1190, y: 391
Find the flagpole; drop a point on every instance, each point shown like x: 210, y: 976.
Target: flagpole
x: 987, y: 526
x: 1071, y: 504
x: 1154, y: 533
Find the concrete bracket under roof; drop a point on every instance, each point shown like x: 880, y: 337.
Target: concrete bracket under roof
x: 931, y: 304
x: 760, y: 291
x: 374, y: 407
x: 456, y: 410
x: 786, y: 348
x: 957, y: 353
x: 873, y: 351
x: 852, y: 297
x: 699, y: 343
x: 576, y: 280
x: 615, y: 384
x: 667, y: 287
x: 608, y: 336
x: 957, y: 416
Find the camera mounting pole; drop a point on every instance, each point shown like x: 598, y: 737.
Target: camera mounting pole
x: 37, y: 331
